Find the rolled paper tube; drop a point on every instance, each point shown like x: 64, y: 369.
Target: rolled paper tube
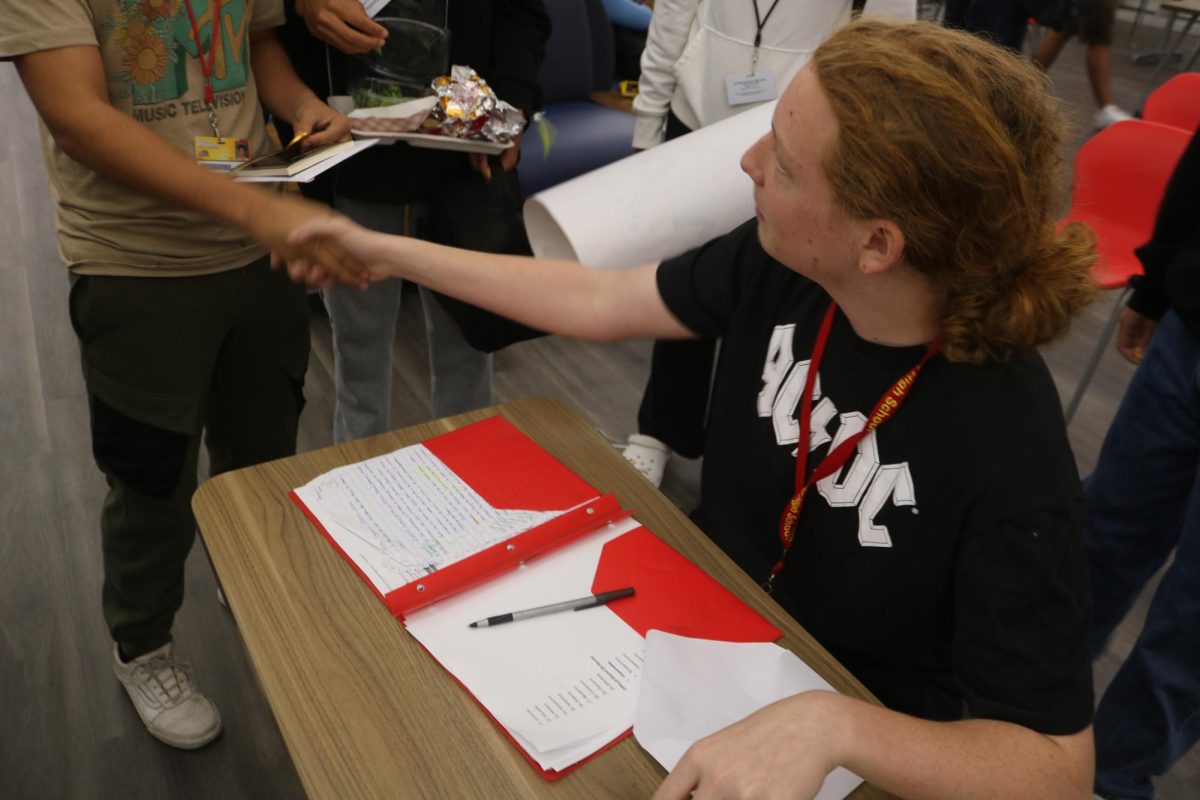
x: 654, y: 204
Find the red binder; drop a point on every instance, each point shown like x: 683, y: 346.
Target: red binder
x: 511, y: 471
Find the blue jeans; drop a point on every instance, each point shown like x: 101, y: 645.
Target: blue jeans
x: 1143, y: 502
x: 364, y: 332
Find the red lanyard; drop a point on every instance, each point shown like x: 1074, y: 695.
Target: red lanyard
x: 884, y: 410
x: 206, y: 63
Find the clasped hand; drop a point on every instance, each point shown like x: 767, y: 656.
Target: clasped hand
x: 271, y: 218
x: 329, y: 249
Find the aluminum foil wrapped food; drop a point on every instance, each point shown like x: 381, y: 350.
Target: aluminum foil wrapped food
x: 468, y: 109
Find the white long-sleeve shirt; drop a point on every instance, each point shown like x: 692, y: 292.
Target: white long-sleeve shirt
x: 692, y: 45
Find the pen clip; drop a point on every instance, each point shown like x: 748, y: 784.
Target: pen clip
x: 297, y: 139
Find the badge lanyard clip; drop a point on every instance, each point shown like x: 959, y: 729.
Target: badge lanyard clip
x: 212, y: 120
x: 760, y: 23
x: 206, y: 61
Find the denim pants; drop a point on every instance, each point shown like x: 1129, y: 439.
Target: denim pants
x: 1143, y: 502
x: 364, y: 331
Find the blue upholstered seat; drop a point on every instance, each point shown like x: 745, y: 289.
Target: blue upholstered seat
x: 579, y: 60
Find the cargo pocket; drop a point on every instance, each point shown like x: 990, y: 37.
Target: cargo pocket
x: 145, y: 458
x: 77, y: 305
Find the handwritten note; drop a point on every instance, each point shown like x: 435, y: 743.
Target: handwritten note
x: 405, y: 514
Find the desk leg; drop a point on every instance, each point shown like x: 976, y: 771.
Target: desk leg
x: 1168, y: 52
x: 1158, y: 54
x: 1137, y: 18
x: 1191, y: 62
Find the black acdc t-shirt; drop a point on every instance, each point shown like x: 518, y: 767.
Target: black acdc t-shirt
x: 943, y: 563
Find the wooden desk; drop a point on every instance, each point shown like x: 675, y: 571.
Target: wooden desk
x: 364, y: 710
x: 613, y: 99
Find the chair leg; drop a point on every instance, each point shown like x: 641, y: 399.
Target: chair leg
x: 1191, y: 62
x: 1137, y: 18
x: 1169, y: 52
x: 1093, y: 362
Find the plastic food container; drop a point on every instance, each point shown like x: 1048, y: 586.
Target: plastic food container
x: 413, y: 54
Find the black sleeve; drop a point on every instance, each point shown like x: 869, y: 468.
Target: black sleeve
x: 1177, y: 225
x: 1022, y: 614
x: 702, y: 287
x: 520, y: 29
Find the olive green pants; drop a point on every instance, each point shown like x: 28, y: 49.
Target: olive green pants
x: 165, y: 360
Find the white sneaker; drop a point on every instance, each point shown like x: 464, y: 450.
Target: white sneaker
x: 1108, y: 115
x: 649, y: 456
x: 169, y: 704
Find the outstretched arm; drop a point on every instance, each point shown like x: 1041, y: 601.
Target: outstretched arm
x: 786, y: 749
x: 560, y: 297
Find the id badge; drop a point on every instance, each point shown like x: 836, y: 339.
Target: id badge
x: 221, y: 153
x: 756, y: 88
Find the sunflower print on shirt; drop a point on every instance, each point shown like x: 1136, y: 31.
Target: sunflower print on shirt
x: 155, y: 40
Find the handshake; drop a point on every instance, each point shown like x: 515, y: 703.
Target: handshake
x: 318, y: 246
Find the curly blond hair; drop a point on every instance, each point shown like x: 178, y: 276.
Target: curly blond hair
x: 959, y: 142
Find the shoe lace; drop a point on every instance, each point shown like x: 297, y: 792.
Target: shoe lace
x: 168, y: 678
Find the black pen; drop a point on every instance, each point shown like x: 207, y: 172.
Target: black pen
x: 567, y: 605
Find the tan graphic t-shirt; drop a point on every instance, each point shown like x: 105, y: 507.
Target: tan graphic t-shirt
x: 150, y: 62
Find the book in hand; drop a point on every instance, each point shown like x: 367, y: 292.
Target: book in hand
x: 482, y: 521
x: 291, y: 160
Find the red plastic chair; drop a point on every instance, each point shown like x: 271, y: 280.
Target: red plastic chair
x: 1120, y: 176
x: 1176, y: 102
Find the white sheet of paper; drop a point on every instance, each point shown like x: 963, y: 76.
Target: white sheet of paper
x: 562, y: 682
x: 310, y: 174
x: 692, y: 688
x: 405, y: 514
x: 564, y: 757
x: 652, y: 205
